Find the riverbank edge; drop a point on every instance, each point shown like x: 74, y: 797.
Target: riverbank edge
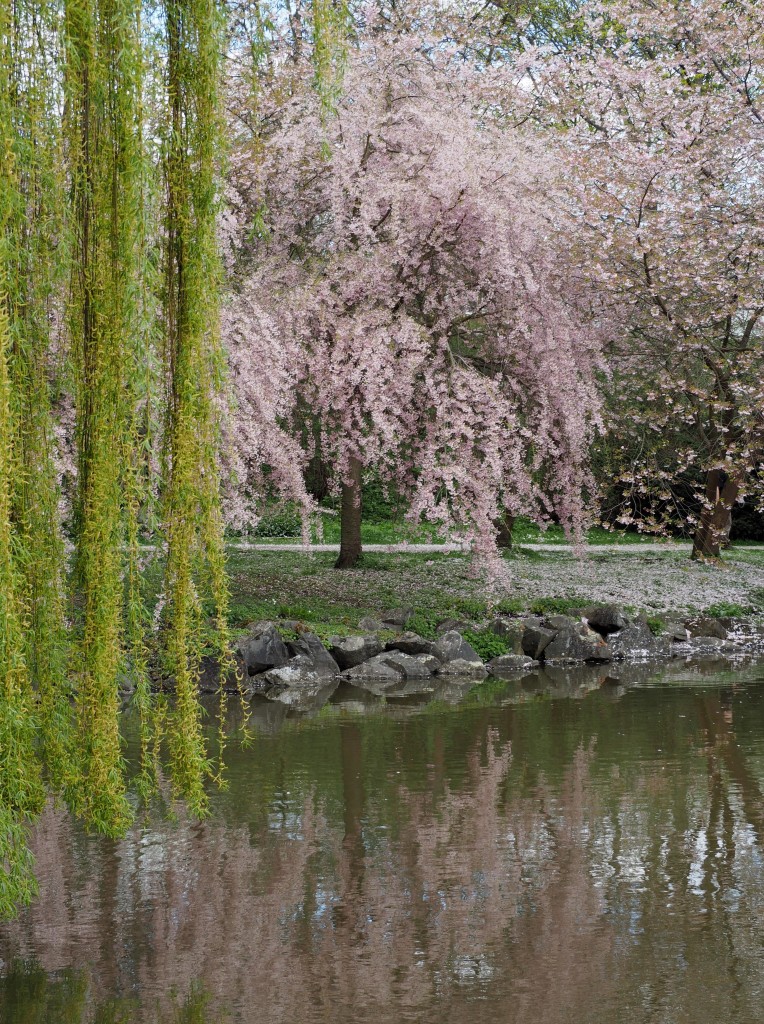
x: 289, y: 660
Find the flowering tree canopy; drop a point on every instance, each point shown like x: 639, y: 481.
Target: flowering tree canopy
x: 664, y: 105
x: 403, y: 291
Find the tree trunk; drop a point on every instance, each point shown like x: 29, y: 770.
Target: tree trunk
x: 350, y: 517
x: 504, y: 528
x: 716, y: 518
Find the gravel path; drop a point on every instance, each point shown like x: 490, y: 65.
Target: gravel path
x: 410, y: 549
x: 424, y: 549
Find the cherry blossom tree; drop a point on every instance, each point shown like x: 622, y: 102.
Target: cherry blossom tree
x: 401, y: 275
x: 664, y: 108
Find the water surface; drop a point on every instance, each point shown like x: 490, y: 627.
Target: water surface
x: 569, y: 848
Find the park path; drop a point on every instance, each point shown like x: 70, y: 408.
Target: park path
x: 426, y: 549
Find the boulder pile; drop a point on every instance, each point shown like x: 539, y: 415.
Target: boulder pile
x: 279, y: 667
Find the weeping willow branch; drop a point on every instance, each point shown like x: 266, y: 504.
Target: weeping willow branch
x: 331, y: 21
x: 21, y: 791
x: 103, y: 79
x: 195, y: 583
x: 80, y: 221
x: 30, y: 550
x: 38, y: 255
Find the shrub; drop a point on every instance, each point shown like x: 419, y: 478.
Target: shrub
x: 486, y: 643
x: 423, y: 625
x: 279, y: 522
x: 727, y: 609
x: 471, y: 608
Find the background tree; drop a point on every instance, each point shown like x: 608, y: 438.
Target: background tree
x: 402, y: 270
x: 662, y: 102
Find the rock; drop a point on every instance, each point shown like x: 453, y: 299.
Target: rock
x: 606, y: 618
x: 371, y: 623
x: 310, y: 646
x: 705, y: 627
x: 730, y: 647
x: 375, y: 670
x: 409, y: 666
x: 411, y: 688
x: 535, y: 640
x: 300, y: 671
x: 429, y: 661
x: 511, y: 631
x: 558, y: 622
x: 533, y: 620
x: 262, y: 649
x: 510, y: 664
x: 310, y: 697
x: 349, y: 651
x: 410, y: 643
x: 449, y: 625
x: 675, y: 631
x: 292, y: 626
x: 126, y: 684
x: 463, y: 667
x: 576, y: 643
x: 452, y: 646
x: 397, y: 617
x: 703, y: 645
x: 209, y: 675
x: 637, y: 641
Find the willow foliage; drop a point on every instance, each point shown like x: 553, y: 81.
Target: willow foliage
x: 31, y: 552
x: 195, y: 571
x: 38, y: 254
x: 21, y: 791
x: 103, y: 81
x: 83, y: 309
x: 331, y: 24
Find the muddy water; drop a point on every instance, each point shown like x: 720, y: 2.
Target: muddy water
x: 568, y: 848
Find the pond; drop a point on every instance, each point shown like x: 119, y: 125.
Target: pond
x: 558, y: 849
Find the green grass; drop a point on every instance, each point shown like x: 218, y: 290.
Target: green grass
x: 284, y: 527
x: 558, y: 605
x: 437, y: 586
x: 270, y: 585
x: 527, y: 532
x: 384, y: 532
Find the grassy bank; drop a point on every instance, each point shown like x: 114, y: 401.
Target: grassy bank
x: 294, y: 585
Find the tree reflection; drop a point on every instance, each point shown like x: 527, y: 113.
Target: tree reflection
x: 521, y: 866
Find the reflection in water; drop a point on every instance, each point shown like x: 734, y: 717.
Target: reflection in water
x: 551, y: 861
x: 31, y: 996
